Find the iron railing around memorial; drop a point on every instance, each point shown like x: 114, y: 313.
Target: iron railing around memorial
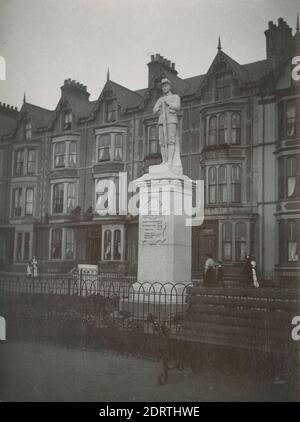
x: 116, y: 313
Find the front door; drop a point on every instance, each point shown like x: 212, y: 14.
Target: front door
x: 204, y: 240
x: 94, y: 241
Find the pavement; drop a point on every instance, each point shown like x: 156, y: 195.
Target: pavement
x: 44, y: 372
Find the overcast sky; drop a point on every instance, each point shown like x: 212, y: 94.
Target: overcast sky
x: 47, y: 41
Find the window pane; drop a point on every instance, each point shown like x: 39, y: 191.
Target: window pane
x: 71, y: 196
x: 107, y: 245
x: 31, y: 161
x: 291, y: 164
x: 56, y: 244
x: 59, y: 158
x: 223, y: 129
x: 26, y: 246
x: 17, y: 202
x: 236, y: 129
x: 291, y: 119
x: 212, y: 185
x: 118, y: 147
x: 104, y: 147
x: 19, y: 163
x: 72, y: 154
x: 117, y: 245
x: 69, y: 244
x: 58, y: 198
x: 212, y: 132
x: 29, y: 202
x: 19, y: 247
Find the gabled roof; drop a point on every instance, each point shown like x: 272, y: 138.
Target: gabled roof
x: 80, y: 107
x: 38, y: 116
x: 125, y: 97
x: 256, y: 70
x: 7, y: 125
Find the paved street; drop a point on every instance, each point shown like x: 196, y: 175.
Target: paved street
x: 39, y: 372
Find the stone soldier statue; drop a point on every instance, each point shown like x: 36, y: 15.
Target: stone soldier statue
x: 167, y: 107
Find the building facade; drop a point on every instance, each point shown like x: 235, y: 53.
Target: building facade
x: 239, y: 132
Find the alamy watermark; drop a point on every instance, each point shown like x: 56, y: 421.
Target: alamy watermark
x: 2, y: 329
x: 296, y: 69
x: 155, y: 197
x: 296, y: 330
x: 2, y: 69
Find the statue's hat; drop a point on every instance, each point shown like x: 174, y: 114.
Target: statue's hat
x: 165, y: 81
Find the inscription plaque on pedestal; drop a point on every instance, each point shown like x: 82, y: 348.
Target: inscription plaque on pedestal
x: 153, y: 229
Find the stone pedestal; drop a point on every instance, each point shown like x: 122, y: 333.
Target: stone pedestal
x: 164, y: 249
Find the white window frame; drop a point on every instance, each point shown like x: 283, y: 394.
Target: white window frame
x: 23, y: 203
x: 67, y: 139
x: 63, y: 244
x: 113, y: 228
x: 65, y: 182
x: 25, y: 150
x: 112, y: 131
x: 22, y: 232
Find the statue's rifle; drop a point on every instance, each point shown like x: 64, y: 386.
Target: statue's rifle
x: 165, y: 127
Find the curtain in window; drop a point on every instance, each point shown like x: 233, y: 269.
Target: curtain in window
x: 292, y: 238
x: 69, y: 244
x: 71, y: 196
x: 291, y: 164
x: 117, y: 245
x: 291, y: 118
x: 118, y: 147
x: 107, y: 245
x: 104, y: 147
x: 72, y: 154
x: 59, y: 152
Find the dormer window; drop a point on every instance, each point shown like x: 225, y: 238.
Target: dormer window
x: 223, y: 87
x: 111, y: 112
x: 68, y: 120
x: 28, y: 130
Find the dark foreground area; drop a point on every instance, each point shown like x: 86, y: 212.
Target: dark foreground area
x: 41, y: 372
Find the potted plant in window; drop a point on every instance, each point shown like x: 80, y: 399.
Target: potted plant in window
x: 75, y: 213
x: 88, y: 214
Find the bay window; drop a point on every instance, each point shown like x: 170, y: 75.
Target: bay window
x: 65, y: 153
x: 109, y: 145
x: 64, y: 197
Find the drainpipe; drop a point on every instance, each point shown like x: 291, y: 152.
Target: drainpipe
x: 263, y: 185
